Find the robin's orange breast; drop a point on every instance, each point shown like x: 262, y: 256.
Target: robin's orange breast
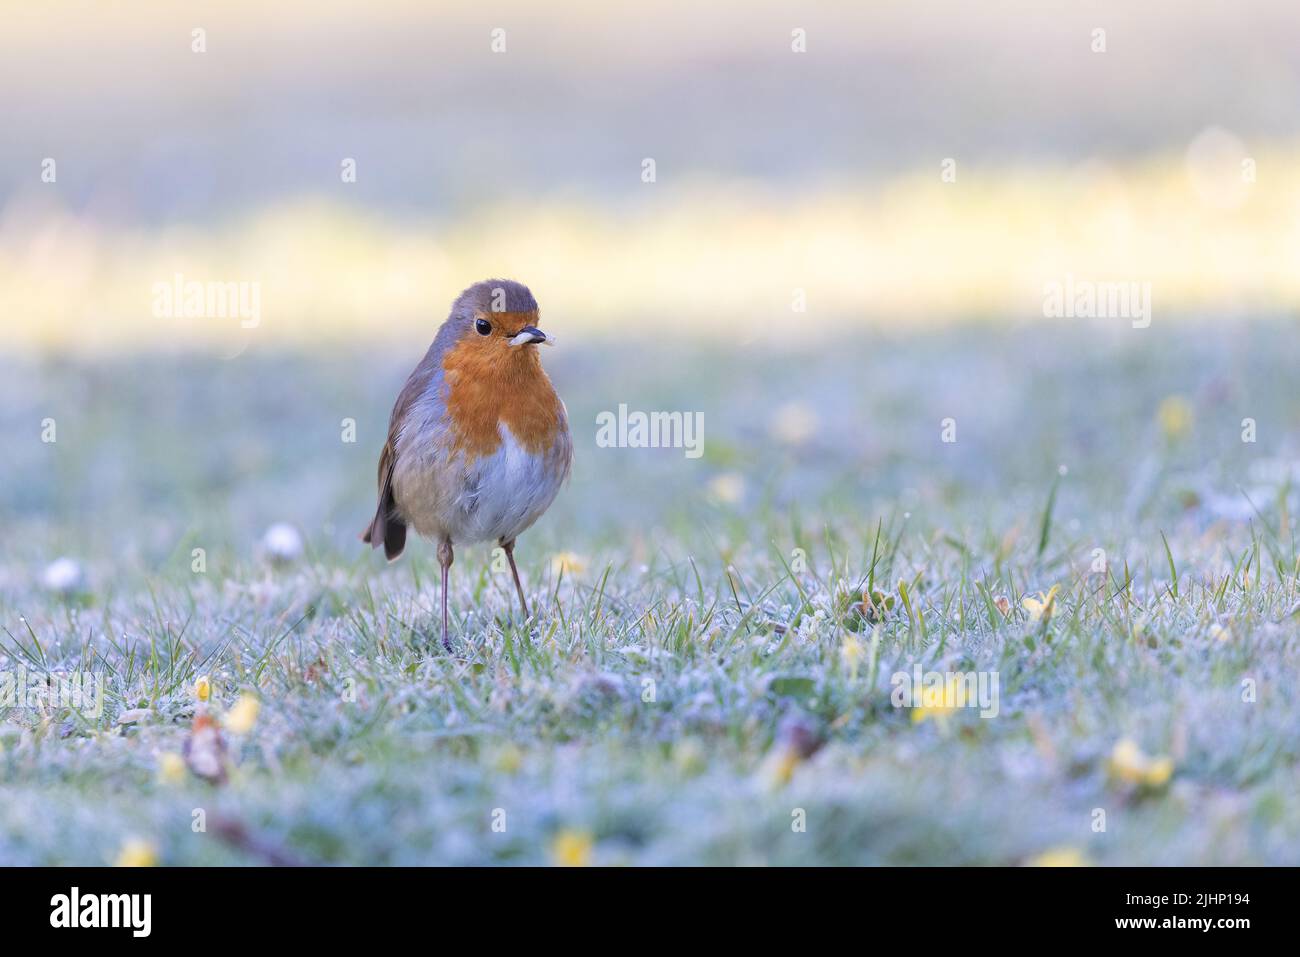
x: 490, y: 383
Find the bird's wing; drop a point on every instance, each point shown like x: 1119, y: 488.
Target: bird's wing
x: 388, y: 528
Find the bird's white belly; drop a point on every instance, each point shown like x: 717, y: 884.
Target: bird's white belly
x: 496, y: 496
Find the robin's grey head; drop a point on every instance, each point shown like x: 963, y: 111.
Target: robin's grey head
x: 493, y: 295
x: 499, y: 312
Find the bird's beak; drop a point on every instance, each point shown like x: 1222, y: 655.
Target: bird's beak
x: 529, y: 335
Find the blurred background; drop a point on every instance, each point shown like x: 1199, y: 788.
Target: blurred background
x: 832, y: 250
x: 775, y: 171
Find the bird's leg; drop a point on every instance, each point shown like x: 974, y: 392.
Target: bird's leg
x: 510, y: 554
x: 444, y: 560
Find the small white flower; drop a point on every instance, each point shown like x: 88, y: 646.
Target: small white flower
x: 794, y: 423
x: 282, y: 543
x: 63, y: 575
x: 727, y: 489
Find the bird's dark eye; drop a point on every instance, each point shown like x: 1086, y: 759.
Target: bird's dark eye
x: 483, y: 327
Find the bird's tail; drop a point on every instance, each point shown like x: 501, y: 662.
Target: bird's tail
x: 386, y: 529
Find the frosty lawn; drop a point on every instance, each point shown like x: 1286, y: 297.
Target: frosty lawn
x: 709, y: 677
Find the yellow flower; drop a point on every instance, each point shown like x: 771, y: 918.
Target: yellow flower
x: 727, y: 488
x: 508, y: 758
x: 241, y: 718
x: 572, y: 848
x: 932, y: 702
x: 689, y: 757
x: 171, y: 768
x: 1059, y: 857
x: 568, y: 564
x: 852, y: 651
x: 1175, y: 417
x: 1220, y: 633
x: 778, y: 767
x: 1040, y: 607
x: 1130, y: 765
x: 136, y: 852
x: 1159, y: 771
x: 203, y: 688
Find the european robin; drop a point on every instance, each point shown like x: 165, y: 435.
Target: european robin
x: 478, y: 443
